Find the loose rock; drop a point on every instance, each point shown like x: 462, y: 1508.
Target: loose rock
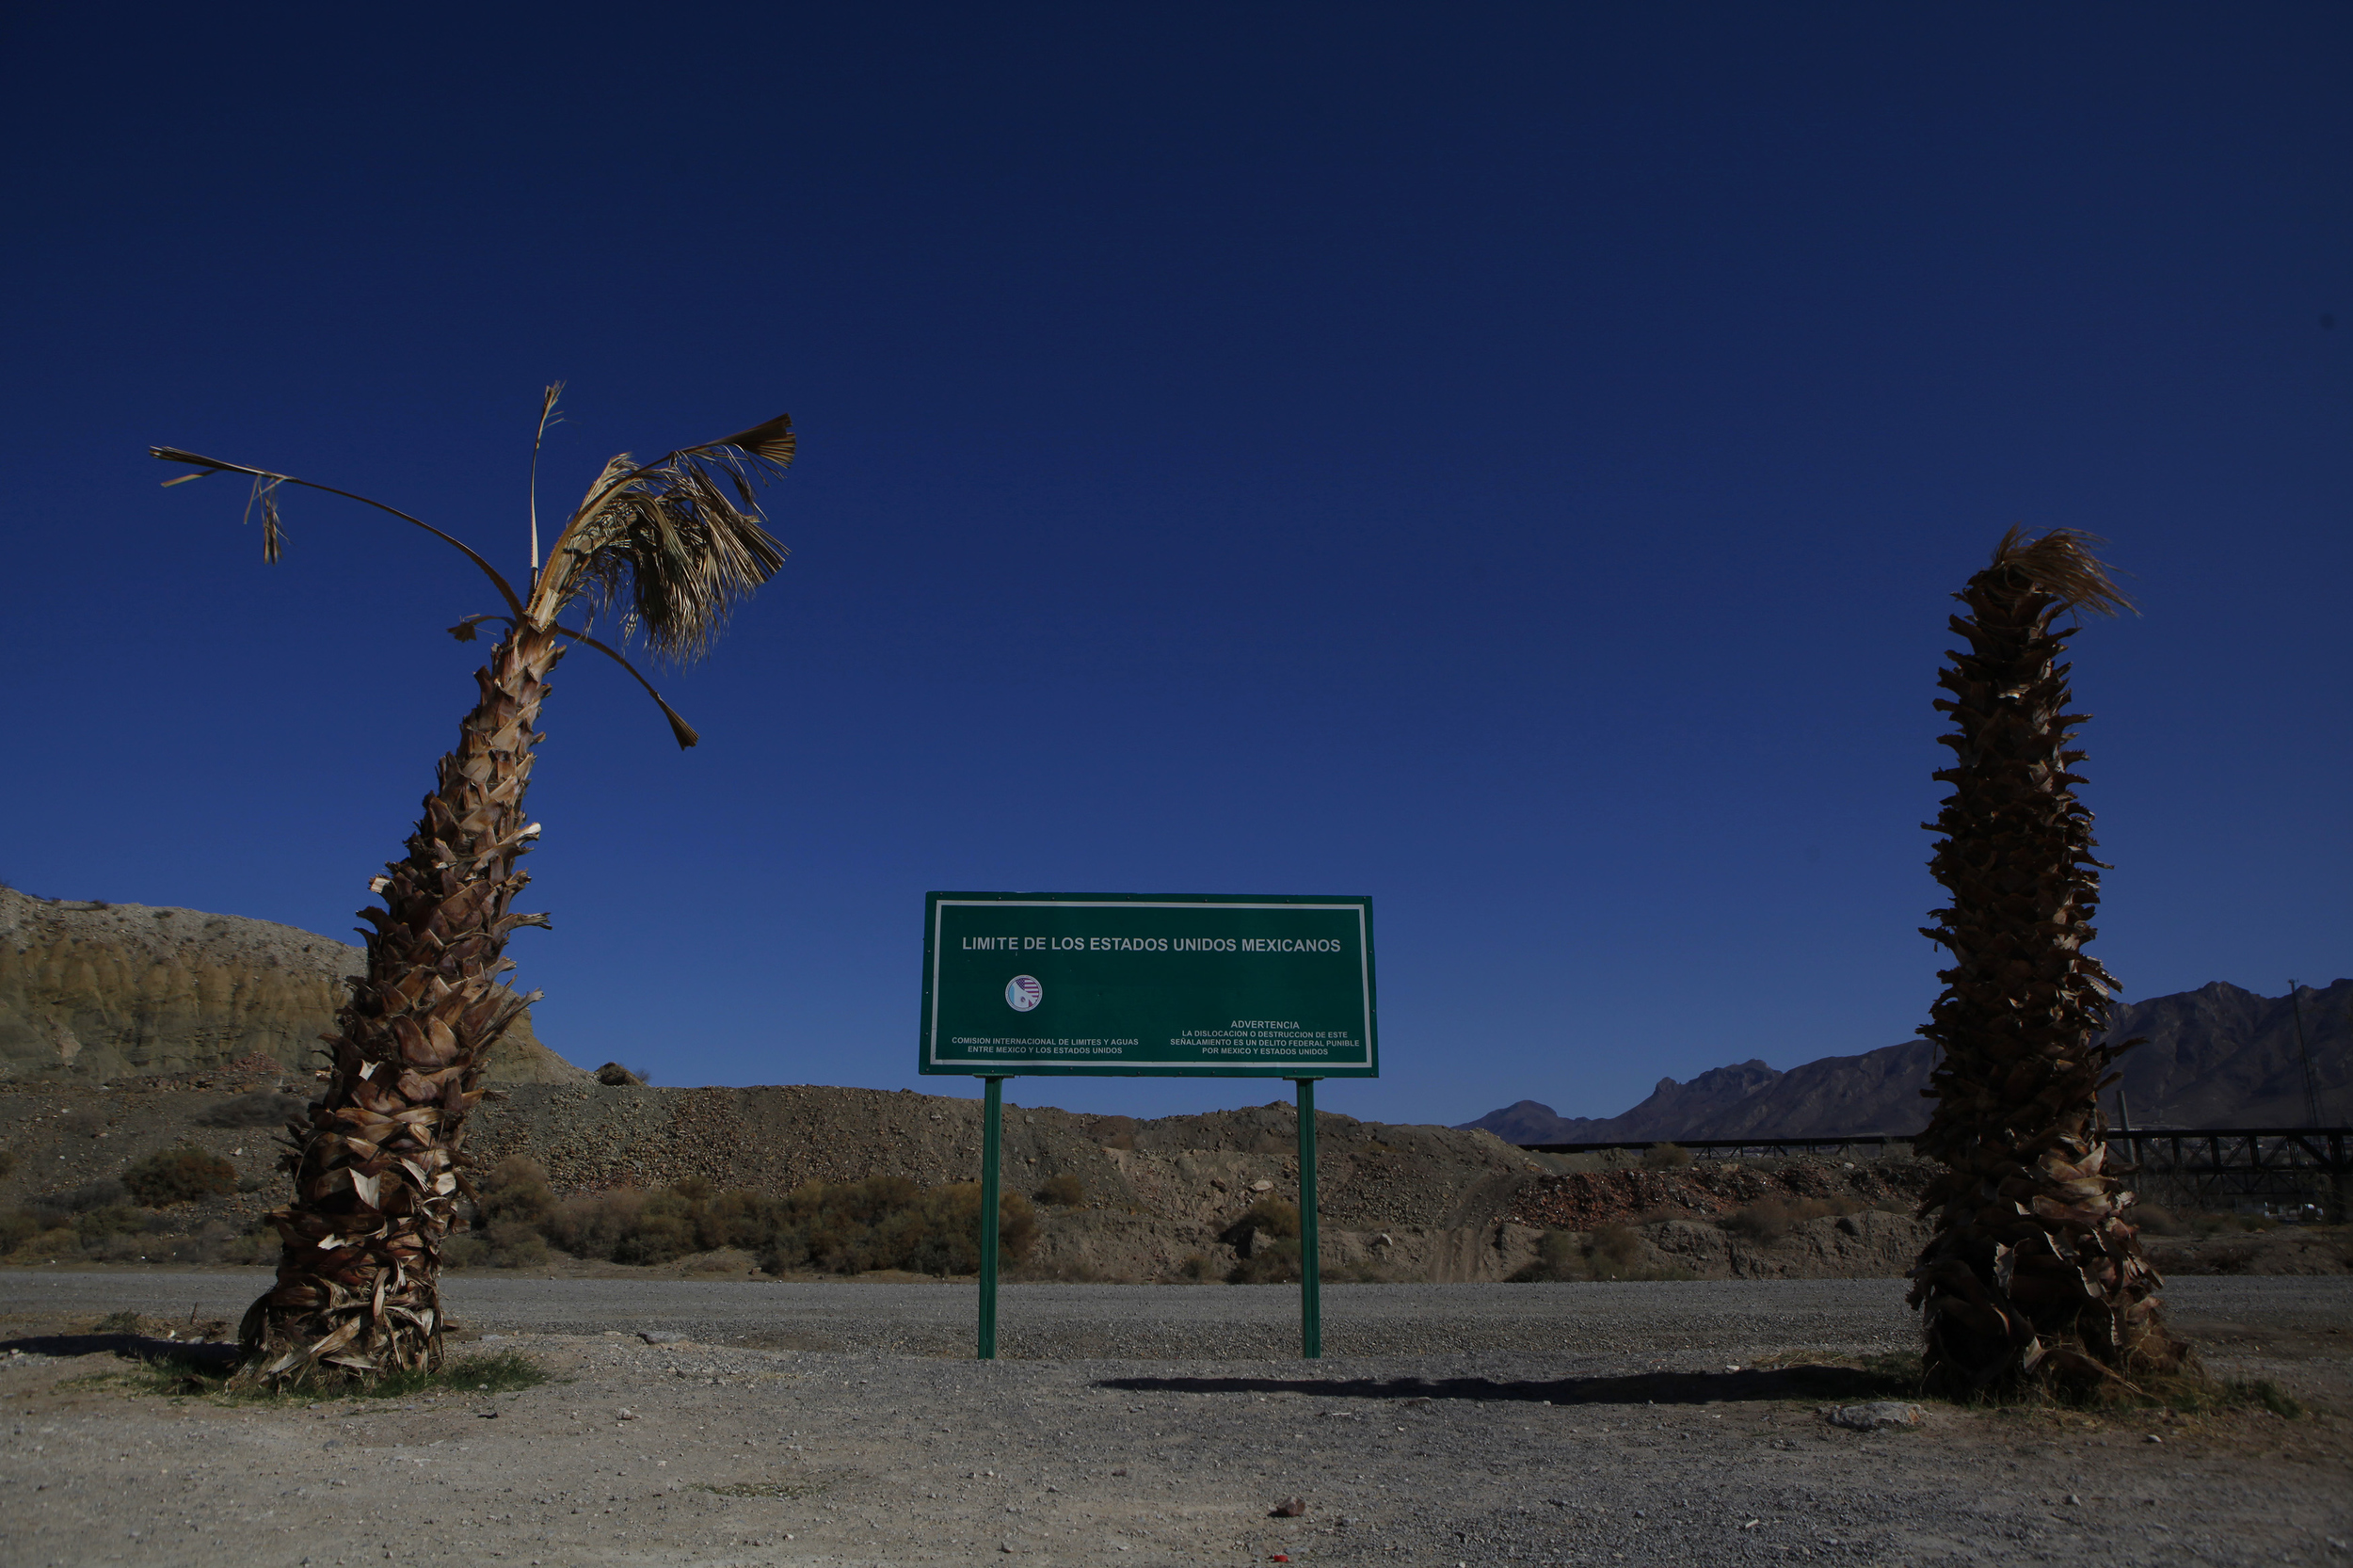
x: 1878, y: 1413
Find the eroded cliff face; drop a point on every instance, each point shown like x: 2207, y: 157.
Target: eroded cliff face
x: 97, y: 991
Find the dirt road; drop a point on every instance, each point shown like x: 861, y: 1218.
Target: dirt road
x: 1458, y: 1424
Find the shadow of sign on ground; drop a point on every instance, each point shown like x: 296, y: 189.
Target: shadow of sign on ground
x: 1807, y: 1382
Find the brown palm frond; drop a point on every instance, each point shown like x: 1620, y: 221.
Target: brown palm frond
x: 265, y: 483
x: 772, y: 442
x: 2061, y: 565
x: 667, y: 545
x: 685, y: 733
x: 548, y: 416
x: 265, y: 496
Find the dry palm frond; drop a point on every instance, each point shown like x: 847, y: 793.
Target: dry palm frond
x: 684, y: 732
x: 2060, y: 565
x: 547, y: 416
x: 673, y: 544
x: 265, y: 496
x: 265, y: 483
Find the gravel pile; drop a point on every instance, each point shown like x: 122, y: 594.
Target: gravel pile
x: 1585, y: 1201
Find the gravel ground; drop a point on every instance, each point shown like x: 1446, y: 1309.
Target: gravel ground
x: 1453, y: 1425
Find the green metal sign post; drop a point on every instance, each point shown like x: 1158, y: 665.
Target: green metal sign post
x: 1132, y: 984
x: 1310, y: 1243
x: 992, y: 1160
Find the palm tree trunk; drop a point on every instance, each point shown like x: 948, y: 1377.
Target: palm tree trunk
x: 377, y: 1164
x: 2033, y: 1274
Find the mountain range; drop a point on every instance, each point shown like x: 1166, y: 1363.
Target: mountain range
x: 2217, y: 1056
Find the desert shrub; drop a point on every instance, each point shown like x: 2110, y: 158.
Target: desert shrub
x: 117, y: 1218
x: 1559, y: 1257
x: 507, y: 1244
x: 516, y: 1246
x: 1613, y: 1247
x: 850, y: 1227
x: 7, y: 1162
x: 514, y: 1189
x: 1269, y: 1217
x: 591, y: 1224
x: 1271, y: 1262
x: 746, y: 1222
x: 1197, y: 1269
x: 17, y: 1227
x: 1771, y: 1217
x: 664, y: 1230
x: 1665, y: 1157
x: 888, y: 1222
x: 1064, y: 1187
x: 1016, y: 1227
x: 2264, y: 1392
x: 1267, y: 1236
x: 57, y: 1208
x: 262, y: 1108
x: 217, y: 1243
x: 2153, y: 1220
x: 56, y: 1241
x: 1115, y: 1132
x: 179, y: 1176
x: 1612, y: 1252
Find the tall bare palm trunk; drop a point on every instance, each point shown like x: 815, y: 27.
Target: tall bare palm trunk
x: 2033, y: 1274
x: 375, y: 1165
x: 672, y: 545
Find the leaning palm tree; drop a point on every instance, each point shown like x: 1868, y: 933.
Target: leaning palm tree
x: 669, y: 546
x: 2032, y: 1277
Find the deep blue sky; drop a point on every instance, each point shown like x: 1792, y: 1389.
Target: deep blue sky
x: 1510, y: 461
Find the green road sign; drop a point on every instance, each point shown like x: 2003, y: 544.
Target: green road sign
x: 1134, y: 984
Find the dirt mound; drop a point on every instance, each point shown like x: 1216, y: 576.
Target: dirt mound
x: 2286, y: 1250
x: 1117, y: 1198
x: 1588, y: 1200
x: 92, y: 992
x: 1416, y: 1202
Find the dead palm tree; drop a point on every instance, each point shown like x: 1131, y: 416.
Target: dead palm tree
x: 2033, y: 1276
x: 669, y: 546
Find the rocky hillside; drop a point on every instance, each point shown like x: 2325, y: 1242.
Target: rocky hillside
x: 1418, y: 1203
x: 2215, y: 1057
x: 93, y: 992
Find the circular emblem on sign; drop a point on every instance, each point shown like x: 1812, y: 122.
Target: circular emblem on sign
x: 1023, y: 993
